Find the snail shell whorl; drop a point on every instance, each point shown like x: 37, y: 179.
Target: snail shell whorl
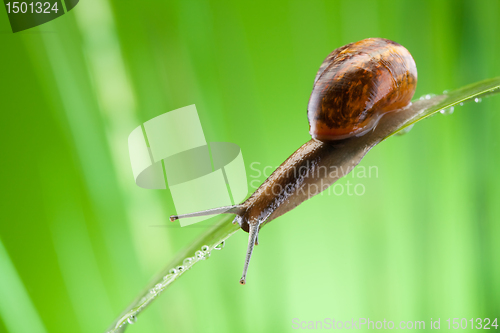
x: 356, y: 84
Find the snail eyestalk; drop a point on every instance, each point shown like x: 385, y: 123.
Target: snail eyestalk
x: 214, y: 211
x: 252, y: 240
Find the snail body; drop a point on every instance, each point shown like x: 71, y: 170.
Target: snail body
x: 356, y: 85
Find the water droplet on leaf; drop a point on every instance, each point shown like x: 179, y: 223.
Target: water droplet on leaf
x: 405, y: 130
x: 219, y: 246
x: 447, y: 111
x: 200, y: 255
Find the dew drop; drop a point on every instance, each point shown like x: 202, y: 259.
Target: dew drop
x: 477, y: 100
x: 131, y: 320
x: 187, y: 261
x: 200, y: 255
x: 220, y: 246
x: 447, y: 111
x: 167, y: 277
x: 405, y: 130
x: 158, y: 287
x: 173, y: 271
x: 205, y: 248
x: 153, y: 292
x: 428, y: 96
x: 461, y: 104
x: 180, y: 268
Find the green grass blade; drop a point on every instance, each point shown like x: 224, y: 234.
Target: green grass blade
x: 428, y: 107
x: 18, y: 312
x: 197, y: 251
x: 358, y: 147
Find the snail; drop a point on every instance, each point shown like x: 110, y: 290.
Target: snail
x: 356, y: 85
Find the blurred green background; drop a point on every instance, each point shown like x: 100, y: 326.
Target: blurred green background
x: 79, y: 240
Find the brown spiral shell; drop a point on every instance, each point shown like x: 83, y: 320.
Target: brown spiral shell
x: 357, y: 84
